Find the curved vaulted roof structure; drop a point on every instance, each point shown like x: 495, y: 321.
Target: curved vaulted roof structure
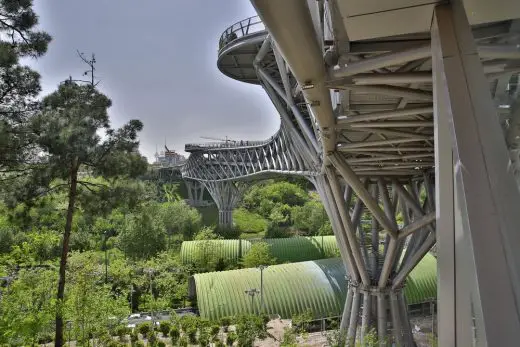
x: 292, y: 249
x: 319, y: 286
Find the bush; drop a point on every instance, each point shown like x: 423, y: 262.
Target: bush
x: 144, y: 328
x: 121, y: 331
x: 152, y: 338
x: 134, y: 337
x: 231, y: 338
x: 161, y: 344
x: 274, y: 231
x: 219, y: 343
x: 183, y: 342
x: 215, y: 329
x: 248, y: 222
x: 165, y: 327
x: 192, y: 334
x: 175, y: 334
x: 139, y: 344
x: 225, y: 322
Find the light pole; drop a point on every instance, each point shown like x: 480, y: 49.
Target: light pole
x: 131, y: 298
x: 150, y: 273
x: 106, y: 255
x: 262, y: 268
x: 252, y: 292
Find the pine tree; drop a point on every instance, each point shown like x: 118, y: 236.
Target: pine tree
x: 19, y: 85
x: 67, y: 134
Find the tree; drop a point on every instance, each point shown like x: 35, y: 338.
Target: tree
x: 91, y: 308
x: 259, y: 254
x: 207, y: 255
x: 180, y: 219
x: 27, y: 307
x: 143, y: 234
x: 67, y: 133
x: 19, y: 85
x: 311, y: 217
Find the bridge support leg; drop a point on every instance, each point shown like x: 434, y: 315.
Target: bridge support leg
x: 477, y: 199
x: 195, y: 192
x: 226, y: 195
x: 375, y: 255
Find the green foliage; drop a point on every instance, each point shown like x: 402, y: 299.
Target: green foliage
x: 180, y: 220
x: 165, y: 328
x: 143, y: 235
x: 183, y: 341
x: 289, y: 338
x: 90, y: 306
x: 207, y: 256
x: 249, y: 222
x: 301, y: 321
x: 27, y: 308
x: 231, y: 338
x: 259, y: 254
x: 19, y: 85
x: 248, y: 329
x: 310, y: 218
x: 175, y: 334
x: 225, y: 322
x: 144, y: 329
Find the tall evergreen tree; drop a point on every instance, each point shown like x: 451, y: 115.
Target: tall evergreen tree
x: 67, y: 134
x: 19, y: 85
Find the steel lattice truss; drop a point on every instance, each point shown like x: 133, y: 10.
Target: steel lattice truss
x: 242, y: 161
x: 374, y: 139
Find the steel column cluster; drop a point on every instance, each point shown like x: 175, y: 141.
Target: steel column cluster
x: 410, y: 138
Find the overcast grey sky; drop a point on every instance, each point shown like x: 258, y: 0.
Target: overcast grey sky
x: 156, y: 60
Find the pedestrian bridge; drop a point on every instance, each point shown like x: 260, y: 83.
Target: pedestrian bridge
x: 412, y: 108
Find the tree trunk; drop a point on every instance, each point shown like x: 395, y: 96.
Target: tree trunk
x: 64, y: 253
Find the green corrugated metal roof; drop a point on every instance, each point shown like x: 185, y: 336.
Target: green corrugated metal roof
x: 290, y: 289
x: 292, y: 249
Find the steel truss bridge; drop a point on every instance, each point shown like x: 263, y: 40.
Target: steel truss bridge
x: 402, y: 109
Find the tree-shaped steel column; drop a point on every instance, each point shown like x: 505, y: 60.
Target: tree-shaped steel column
x: 227, y: 195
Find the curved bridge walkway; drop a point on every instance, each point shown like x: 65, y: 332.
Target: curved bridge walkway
x: 389, y: 113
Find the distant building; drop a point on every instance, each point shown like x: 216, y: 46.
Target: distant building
x: 168, y: 158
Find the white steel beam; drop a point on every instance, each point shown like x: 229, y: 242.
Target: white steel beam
x: 486, y: 192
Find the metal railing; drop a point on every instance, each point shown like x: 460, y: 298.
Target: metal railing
x: 244, y: 27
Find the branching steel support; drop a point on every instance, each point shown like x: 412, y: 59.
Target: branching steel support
x: 227, y: 195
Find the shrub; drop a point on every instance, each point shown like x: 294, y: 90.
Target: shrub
x: 231, y: 338
x: 134, y: 337
x: 289, y: 338
x: 152, y: 338
x: 165, y: 327
x: 144, y: 328
x: 215, y: 329
x: 161, y: 344
x: 225, y: 322
x: 121, y: 331
x: 175, y: 334
x: 219, y: 343
x: 139, y: 344
x: 183, y: 342
x: 192, y: 334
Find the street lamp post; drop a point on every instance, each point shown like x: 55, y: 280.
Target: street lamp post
x: 252, y: 292
x: 106, y: 255
x: 150, y: 273
x: 262, y: 268
x: 131, y: 298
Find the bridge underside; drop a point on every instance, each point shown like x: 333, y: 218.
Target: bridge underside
x: 397, y: 110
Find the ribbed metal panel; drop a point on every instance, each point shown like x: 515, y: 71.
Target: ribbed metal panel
x: 284, y: 250
x: 319, y: 286
x: 421, y: 285
x: 289, y: 289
